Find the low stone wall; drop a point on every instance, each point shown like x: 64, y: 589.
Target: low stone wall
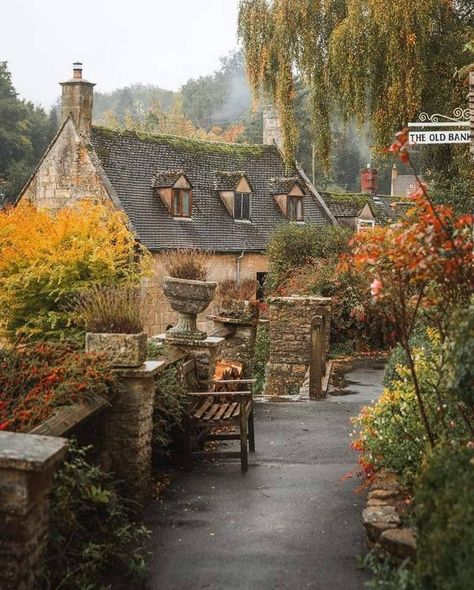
x: 383, y: 519
x: 290, y: 341
x: 27, y: 465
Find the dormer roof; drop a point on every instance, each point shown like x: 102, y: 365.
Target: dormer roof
x: 228, y: 181
x: 282, y: 185
x: 167, y: 178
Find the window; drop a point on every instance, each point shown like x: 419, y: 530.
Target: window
x: 242, y: 206
x: 295, y: 208
x: 363, y: 224
x: 182, y: 203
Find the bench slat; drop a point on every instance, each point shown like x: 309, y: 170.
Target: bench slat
x: 223, y: 407
x: 211, y: 412
x: 230, y: 410
x: 202, y: 409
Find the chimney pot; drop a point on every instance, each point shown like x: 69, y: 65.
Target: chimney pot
x: 77, y: 70
x: 368, y: 180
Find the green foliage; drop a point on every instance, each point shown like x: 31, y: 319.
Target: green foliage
x: 131, y: 101
x: 169, y: 408
x: 444, y: 517
x: 93, y: 538
x: 25, y: 131
x: 305, y: 260
x: 48, y: 259
x: 365, y: 59
x: 292, y: 246
x: 36, y: 379
x: 221, y: 98
x: 262, y: 354
x: 461, y: 352
x: 398, y: 357
x: 386, y: 575
x: 391, y: 432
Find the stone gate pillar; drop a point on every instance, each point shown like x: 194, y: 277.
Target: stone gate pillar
x: 290, y: 341
x: 27, y: 465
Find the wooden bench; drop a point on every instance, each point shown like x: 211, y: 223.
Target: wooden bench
x: 210, y: 413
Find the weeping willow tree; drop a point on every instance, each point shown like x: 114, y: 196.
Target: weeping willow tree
x: 380, y: 61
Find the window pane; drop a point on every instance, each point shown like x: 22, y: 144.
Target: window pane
x: 238, y: 205
x: 299, y: 209
x: 176, y: 207
x: 186, y: 204
x: 245, y: 206
x: 291, y: 208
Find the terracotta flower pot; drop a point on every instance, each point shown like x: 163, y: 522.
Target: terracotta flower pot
x: 122, y: 350
x: 188, y: 298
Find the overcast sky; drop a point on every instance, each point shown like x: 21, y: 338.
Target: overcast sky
x: 120, y: 42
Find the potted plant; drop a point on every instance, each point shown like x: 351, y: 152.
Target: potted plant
x: 236, y: 300
x: 112, y: 317
x: 187, y: 290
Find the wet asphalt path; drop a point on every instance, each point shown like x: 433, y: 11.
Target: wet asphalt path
x: 292, y: 522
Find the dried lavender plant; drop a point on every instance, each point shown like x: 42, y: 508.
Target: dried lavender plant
x: 187, y: 263
x: 114, y: 309
x: 243, y: 291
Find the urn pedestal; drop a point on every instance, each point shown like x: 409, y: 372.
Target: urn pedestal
x: 188, y: 298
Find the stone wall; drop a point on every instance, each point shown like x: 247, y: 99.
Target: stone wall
x: 159, y: 314
x: 66, y: 174
x: 240, y: 344
x: 290, y: 342
x: 27, y: 464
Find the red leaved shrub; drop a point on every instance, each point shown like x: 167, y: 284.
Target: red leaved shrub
x: 36, y: 379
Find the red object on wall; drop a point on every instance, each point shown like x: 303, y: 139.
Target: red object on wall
x: 368, y: 180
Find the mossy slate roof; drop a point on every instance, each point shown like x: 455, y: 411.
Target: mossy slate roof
x: 131, y: 162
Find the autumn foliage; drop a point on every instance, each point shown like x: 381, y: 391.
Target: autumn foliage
x: 47, y: 259
x: 36, y: 379
x: 422, y: 272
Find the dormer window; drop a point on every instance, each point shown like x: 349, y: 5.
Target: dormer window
x: 295, y: 208
x: 182, y: 203
x: 236, y: 193
x: 289, y: 197
x: 175, y: 191
x: 242, y: 206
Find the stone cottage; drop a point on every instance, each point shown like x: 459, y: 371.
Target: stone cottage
x: 176, y: 192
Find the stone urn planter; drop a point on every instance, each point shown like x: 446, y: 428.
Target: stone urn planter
x: 188, y: 298
x: 122, y: 350
x: 239, y: 309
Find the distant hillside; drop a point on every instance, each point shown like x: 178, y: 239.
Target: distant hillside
x: 134, y: 100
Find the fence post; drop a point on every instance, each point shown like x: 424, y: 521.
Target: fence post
x: 318, y: 345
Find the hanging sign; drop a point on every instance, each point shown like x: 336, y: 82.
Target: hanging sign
x: 440, y: 129
x: 451, y: 136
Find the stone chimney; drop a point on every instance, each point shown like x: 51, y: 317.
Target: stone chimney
x: 393, y: 183
x: 368, y: 180
x: 271, y: 127
x: 77, y: 98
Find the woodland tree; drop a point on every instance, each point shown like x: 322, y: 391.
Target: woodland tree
x: 366, y: 59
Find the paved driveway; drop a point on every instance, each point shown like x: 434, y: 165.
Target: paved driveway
x: 290, y: 523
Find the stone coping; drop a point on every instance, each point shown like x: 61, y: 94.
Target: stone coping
x: 238, y: 321
x: 30, y: 452
x: 300, y: 298
x: 209, y: 342
x: 148, y: 369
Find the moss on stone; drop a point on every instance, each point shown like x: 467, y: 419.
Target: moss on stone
x: 188, y: 145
